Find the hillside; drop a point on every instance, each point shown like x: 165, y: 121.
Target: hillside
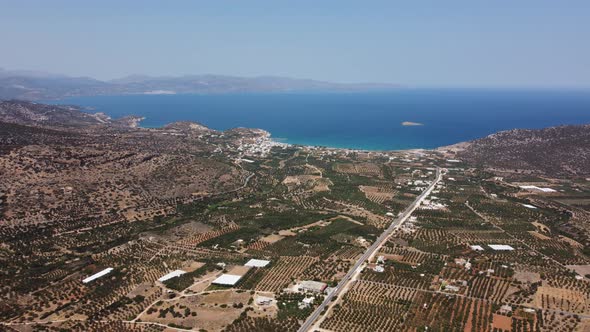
x: 43, y: 115
x: 556, y: 151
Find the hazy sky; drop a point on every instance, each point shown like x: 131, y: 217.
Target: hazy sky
x: 413, y: 42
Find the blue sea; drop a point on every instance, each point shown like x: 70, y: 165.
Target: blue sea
x: 371, y: 121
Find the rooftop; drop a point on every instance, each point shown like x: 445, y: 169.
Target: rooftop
x: 227, y: 279
x: 171, y: 275
x: 257, y: 263
x: 314, y: 286
x: 98, y: 275
x: 500, y: 247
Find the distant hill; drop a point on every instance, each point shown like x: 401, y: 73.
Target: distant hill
x: 35, y: 86
x: 562, y: 151
x: 42, y: 115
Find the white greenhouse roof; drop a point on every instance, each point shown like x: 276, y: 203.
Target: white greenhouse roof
x: 546, y: 190
x: 476, y: 247
x: 171, y: 275
x: 500, y: 247
x: 98, y: 275
x: 227, y: 279
x: 257, y: 263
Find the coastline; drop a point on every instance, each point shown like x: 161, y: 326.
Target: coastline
x: 359, y: 121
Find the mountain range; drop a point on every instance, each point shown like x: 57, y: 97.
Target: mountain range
x: 31, y: 85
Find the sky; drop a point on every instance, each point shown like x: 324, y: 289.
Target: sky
x: 417, y: 43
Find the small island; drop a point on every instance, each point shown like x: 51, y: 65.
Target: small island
x: 409, y: 123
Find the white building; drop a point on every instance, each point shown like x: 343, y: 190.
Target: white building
x: 227, y: 280
x: 263, y: 300
x: 306, y: 302
x: 500, y: 247
x: 257, y: 263
x: 171, y: 275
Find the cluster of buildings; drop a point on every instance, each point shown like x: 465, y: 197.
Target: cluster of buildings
x: 432, y: 204
x: 261, y: 146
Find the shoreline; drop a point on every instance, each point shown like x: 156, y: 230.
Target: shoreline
x: 387, y: 124
x: 285, y: 140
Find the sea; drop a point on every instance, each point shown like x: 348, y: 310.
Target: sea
x: 363, y: 120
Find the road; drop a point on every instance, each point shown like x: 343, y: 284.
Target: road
x: 369, y: 253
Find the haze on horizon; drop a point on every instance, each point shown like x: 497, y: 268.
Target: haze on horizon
x: 529, y: 43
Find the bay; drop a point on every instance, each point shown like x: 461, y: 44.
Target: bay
x: 368, y: 120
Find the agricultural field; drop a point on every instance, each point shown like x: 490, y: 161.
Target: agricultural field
x: 172, y: 250
x: 441, y: 269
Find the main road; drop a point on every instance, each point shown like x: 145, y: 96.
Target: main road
x: 368, y: 255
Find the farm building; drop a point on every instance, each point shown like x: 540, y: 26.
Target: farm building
x: 97, y: 275
x: 257, y: 263
x: 379, y: 268
x: 171, y: 275
x: 263, y: 300
x: 227, y: 280
x: 312, y: 286
x: 505, y: 309
x: 476, y: 248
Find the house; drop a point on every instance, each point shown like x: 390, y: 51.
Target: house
x: 306, y: 302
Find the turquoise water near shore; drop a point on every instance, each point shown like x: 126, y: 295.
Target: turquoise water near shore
x: 371, y: 121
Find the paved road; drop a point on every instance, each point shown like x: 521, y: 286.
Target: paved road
x: 369, y: 254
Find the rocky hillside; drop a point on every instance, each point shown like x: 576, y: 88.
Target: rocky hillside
x: 556, y: 151
x: 43, y: 115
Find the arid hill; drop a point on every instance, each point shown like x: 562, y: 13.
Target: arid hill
x: 60, y: 164
x: 557, y: 151
x: 56, y: 116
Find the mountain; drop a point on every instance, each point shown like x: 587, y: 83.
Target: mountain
x: 562, y: 151
x: 28, y: 73
x: 37, y: 86
x: 50, y: 87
